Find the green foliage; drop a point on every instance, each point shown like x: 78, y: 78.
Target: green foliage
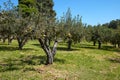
x: 71, y: 28
x: 104, y: 33
x: 44, y: 19
x: 7, y: 20
x: 27, y: 7
x: 28, y: 2
x: 114, y: 24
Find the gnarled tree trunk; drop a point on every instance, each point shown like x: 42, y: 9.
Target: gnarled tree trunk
x: 21, y: 42
x: 49, y: 52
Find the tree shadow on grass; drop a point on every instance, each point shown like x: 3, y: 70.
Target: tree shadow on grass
x: 10, y: 64
x: 86, y: 46
x: 66, y: 49
x: 111, y: 48
x: 7, y: 48
x: 38, y: 45
x: 11, y: 48
x: 103, y: 47
x: 37, y: 60
x: 89, y: 47
x: 114, y: 60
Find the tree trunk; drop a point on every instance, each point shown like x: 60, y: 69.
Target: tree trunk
x: 20, y: 46
x: 21, y: 42
x: 54, y: 48
x: 49, y: 58
x: 69, y: 44
x: 10, y: 39
x: 94, y: 43
x: 99, y: 44
x: 50, y: 53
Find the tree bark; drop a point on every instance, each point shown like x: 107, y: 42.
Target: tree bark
x: 54, y: 50
x: 4, y: 39
x: 49, y: 53
x: 99, y: 44
x: 49, y: 58
x: 20, y: 46
x: 10, y: 38
x: 21, y: 42
x: 94, y: 43
x: 69, y: 44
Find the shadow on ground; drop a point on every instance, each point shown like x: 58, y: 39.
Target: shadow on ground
x: 103, y: 47
x: 11, y: 48
x: 111, y: 48
x: 38, y: 45
x: 10, y: 64
x: 114, y: 60
x: 66, y: 49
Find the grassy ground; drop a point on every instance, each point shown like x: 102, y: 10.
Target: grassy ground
x: 83, y: 62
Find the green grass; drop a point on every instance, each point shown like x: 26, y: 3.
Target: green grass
x: 83, y: 62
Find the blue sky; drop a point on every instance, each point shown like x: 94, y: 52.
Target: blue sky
x: 92, y: 11
x: 14, y: 1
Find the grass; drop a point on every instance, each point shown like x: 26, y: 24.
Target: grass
x: 83, y: 62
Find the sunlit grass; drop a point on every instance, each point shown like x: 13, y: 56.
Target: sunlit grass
x: 83, y: 62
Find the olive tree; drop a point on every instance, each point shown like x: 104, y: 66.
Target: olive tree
x: 45, y: 28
